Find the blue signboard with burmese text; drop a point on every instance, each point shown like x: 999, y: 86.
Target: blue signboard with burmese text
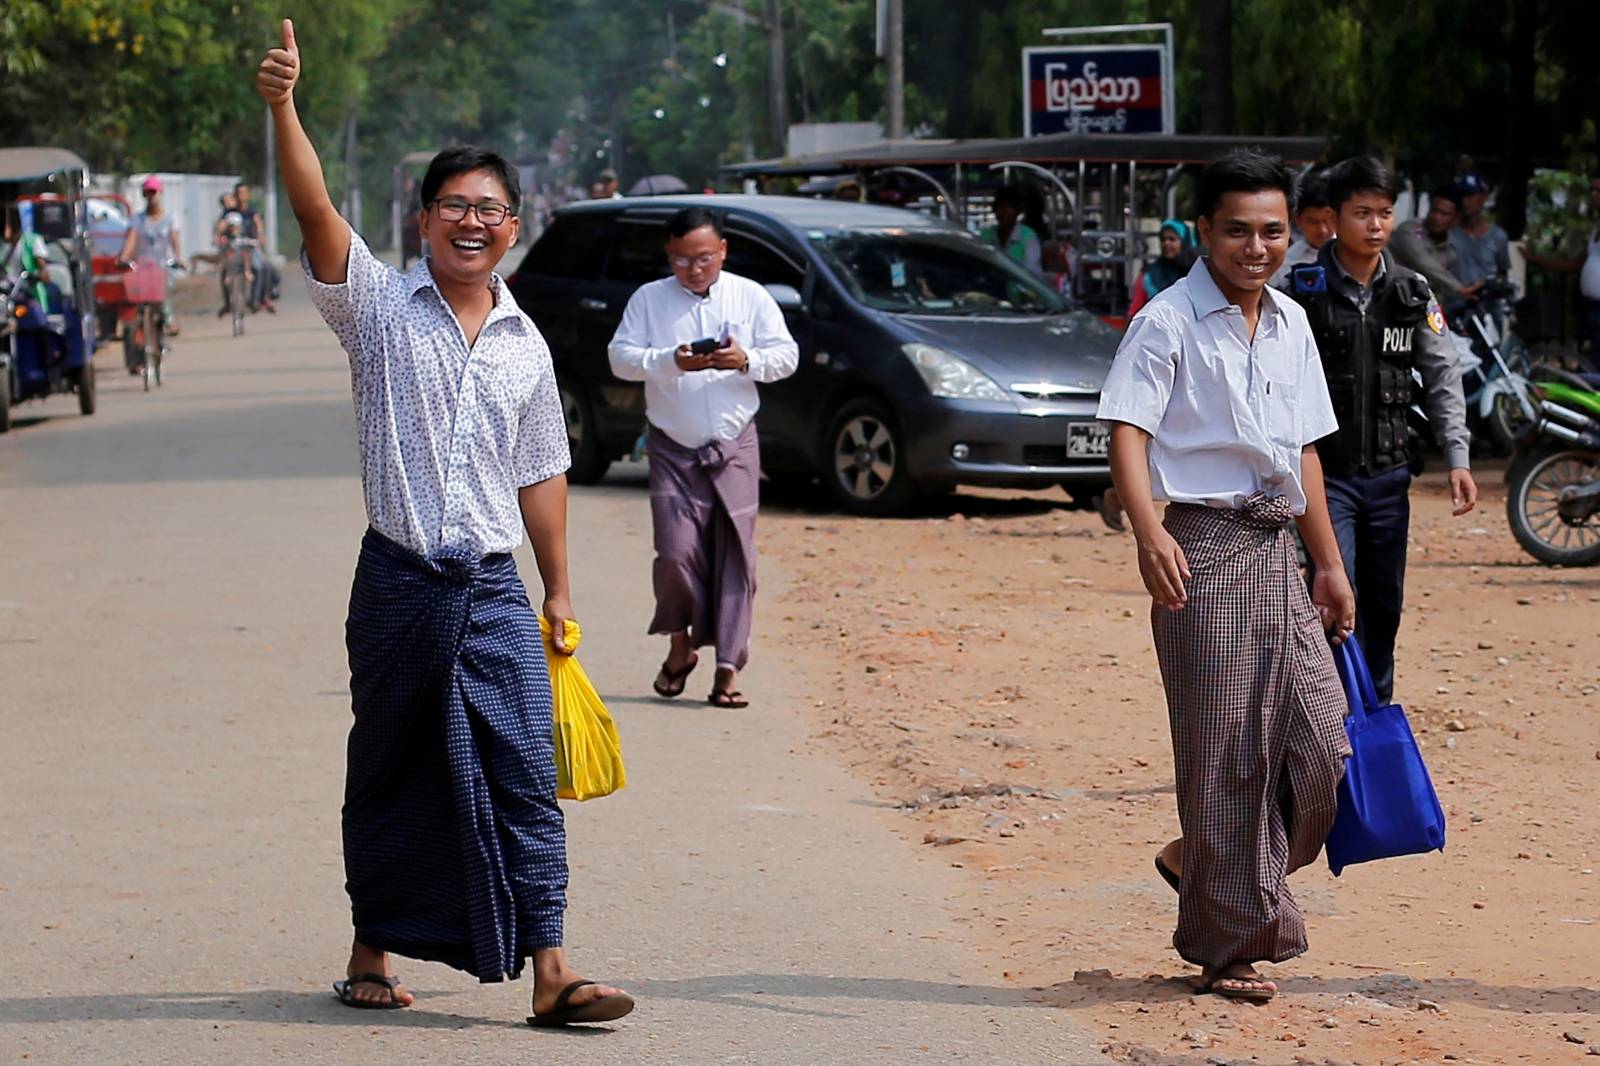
x: 1119, y: 88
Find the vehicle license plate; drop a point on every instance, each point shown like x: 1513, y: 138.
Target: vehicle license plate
x: 1088, y: 440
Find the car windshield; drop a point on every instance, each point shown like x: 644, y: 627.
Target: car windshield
x: 932, y: 273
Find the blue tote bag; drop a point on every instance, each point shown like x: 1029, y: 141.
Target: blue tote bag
x: 1387, y: 806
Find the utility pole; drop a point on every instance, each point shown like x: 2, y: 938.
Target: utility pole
x: 777, y: 83
x: 895, y: 61
x: 271, y: 190
x: 352, y: 173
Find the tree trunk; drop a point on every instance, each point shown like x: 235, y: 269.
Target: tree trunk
x: 777, y: 83
x: 1511, y: 205
x: 1214, y: 23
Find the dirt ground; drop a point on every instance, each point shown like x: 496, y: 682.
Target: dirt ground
x: 988, y: 666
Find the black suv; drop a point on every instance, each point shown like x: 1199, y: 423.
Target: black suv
x: 927, y: 358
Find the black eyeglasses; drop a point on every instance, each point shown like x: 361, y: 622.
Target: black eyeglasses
x: 489, y: 212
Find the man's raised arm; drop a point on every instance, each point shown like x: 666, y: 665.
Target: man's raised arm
x: 327, y: 237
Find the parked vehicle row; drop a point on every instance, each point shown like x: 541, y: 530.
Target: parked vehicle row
x: 927, y: 359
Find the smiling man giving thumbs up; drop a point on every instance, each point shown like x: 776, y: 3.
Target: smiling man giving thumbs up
x: 454, y: 846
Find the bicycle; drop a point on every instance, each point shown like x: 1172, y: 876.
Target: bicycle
x: 236, y: 259
x: 144, y: 337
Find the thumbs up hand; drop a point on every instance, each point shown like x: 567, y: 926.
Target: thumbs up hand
x: 280, y: 70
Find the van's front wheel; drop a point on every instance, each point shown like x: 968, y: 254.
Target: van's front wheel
x: 583, y: 436
x: 865, y: 461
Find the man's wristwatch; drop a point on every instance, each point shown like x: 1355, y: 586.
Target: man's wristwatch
x: 744, y: 367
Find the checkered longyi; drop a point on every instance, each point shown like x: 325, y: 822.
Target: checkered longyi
x: 1257, y: 715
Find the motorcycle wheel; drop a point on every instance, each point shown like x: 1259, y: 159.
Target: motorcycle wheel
x: 1532, y: 491
x: 5, y: 399
x: 1506, y: 421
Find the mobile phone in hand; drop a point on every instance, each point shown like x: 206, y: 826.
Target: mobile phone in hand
x: 704, y: 346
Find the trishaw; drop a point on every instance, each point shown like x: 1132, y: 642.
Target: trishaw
x: 45, y: 281
x: 1098, y: 200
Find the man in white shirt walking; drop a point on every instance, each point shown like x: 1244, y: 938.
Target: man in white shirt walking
x: 700, y: 341
x: 1214, y: 400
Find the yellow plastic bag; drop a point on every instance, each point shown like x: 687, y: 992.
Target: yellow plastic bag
x: 588, y: 750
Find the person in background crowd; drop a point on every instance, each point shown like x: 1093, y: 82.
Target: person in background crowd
x: 1375, y: 323
x: 1255, y: 704
x: 1424, y: 245
x: 608, y: 178
x: 1483, y: 251
x: 700, y: 341
x: 1313, y: 217
x: 1009, y: 233
x: 1177, y: 256
x: 1588, y: 267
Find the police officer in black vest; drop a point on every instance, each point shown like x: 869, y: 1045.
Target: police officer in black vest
x: 1375, y: 322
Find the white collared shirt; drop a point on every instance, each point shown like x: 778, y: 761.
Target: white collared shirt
x: 448, y: 434
x: 698, y: 406
x: 1227, y: 417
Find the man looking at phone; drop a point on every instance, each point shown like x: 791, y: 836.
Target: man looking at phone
x: 700, y: 340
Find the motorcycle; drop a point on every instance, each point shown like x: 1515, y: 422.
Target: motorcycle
x: 1494, y: 366
x: 1553, y: 482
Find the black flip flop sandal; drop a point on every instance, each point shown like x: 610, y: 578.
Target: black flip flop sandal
x: 676, y: 679
x: 1168, y: 876
x: 604, y: 1009
x: 345, y: 990
x: 731, y: 698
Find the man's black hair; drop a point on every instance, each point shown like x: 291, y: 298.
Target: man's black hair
x: 1450, y: 193
x: 1010, y: 194
x: 1358, y: 175
x: 240, y: 185
x: 464, y: 159
x: 690, y: 219
x: 1243, y: 170
x: 1311, y: 191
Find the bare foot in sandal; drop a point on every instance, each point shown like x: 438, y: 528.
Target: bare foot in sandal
x: 362, y: 987
x: 723, y: 692
x: 680, y: 663
x: 1238, y: 980
x: 561, y: 996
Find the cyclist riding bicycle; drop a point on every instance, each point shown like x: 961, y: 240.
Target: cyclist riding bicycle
x: 234, y: 249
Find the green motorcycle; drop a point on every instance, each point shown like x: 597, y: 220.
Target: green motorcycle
x: 1553, y: 482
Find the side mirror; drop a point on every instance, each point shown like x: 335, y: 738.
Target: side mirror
x: 787, y: 297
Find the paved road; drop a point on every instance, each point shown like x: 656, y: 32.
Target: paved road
x: 173, y: 714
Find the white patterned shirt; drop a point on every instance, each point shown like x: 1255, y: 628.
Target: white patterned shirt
x: 699, y: 406
x: 1227, y: 415
x: 447, y: 434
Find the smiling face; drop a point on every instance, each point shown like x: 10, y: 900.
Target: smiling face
x: 1365, y: 222
x: 1248, y: 236
x: 1171, y: 245
x: 466, y: 250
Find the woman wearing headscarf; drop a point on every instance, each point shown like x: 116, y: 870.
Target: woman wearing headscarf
x: 1177, y: 256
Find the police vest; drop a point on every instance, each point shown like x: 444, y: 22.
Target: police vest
x: 1367, y: 360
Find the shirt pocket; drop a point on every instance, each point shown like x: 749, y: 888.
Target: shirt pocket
x: 1282, y: 415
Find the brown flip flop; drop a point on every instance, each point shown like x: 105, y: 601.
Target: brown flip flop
x: 730, y: 698
x: 604, y: 1009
